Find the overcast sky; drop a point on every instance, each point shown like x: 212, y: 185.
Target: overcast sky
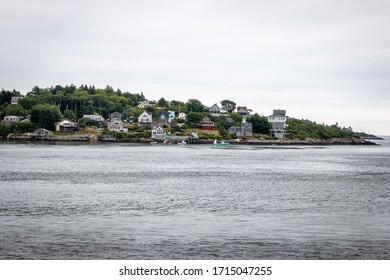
x: 325, y: 60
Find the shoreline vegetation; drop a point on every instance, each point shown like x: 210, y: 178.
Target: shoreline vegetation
x: 107, y: 115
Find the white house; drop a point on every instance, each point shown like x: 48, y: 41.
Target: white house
x: 67, y: 126
x: 158, y: 133
x: 15, y: 99
x: 11, y: 120
x: 215, y: 110
x: 144, y: 104
x: 145, y: 119
x: 116, y: 125
x: 182, y: 116
x: 278, y: 121
x: 97, y: 118
x: 41, y: 133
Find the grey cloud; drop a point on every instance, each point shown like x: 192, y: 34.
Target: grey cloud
x: 265, y: 53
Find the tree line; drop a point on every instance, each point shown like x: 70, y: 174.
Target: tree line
x: 46, y: 106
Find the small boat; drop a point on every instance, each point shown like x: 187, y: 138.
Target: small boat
x: 221, y: 143
x: 182, y: 143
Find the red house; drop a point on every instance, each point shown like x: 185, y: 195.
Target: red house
x: 207, y: 124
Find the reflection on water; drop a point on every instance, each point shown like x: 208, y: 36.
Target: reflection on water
x: 122, y: 201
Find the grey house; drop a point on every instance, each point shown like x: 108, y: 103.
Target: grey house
x: 244, y: 130
x: 115, y: 116
x: 163, y: 117
x: 279, y: 124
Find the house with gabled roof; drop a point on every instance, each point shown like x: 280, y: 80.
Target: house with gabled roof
x: 158, y: 133
x: 182, y: 116
x: 116, y: 125
x: 41, y: 134
x: 115, y: 116
x: 162, y: 117
x: 207, y: 124
x: 67, y: 126
x: 144, y: 104
x: 145, y: 119
x: 215, y: 110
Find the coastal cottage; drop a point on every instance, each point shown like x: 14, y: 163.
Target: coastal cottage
x: 279, y: 124
x: 115, y: 116
x: 242, y: 110
x: 162, y: 117
x: 144, y: 104
x: 215, y: 110
x: 11, y: 120
x: 41, y: 134
x: 244, y: 130
x: 182, y: 116
x: 116, y: 125
x: 234, y: 129
x: 158, y: 133
x: 145, y: 119
x: 97, y: 118
x: 207, y: 124
x: 15, y: 100
x: 171, y: 116
x: 67, y: 126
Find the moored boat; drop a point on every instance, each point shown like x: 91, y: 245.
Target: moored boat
x: 221, y: 143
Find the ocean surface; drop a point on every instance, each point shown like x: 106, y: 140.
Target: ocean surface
x: 127, y: 201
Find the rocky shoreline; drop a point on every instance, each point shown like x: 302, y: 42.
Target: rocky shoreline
x: 309, y: 142
x: 263, y: 142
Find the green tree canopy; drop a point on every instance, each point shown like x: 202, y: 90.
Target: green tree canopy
x: 14, y: 110
x: 194, y: 117
x: 260, y: 124
x: 45, y: 116
x: 162, y: 102
x: 237, y: 118
x: 69, y: 114
x: 303, y: 129
x: 25, y: 126
x: 6, y: 96
x: 194, y: 105
x: 228, y: 105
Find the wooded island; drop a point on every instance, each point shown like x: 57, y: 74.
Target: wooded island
x: 89, y: 113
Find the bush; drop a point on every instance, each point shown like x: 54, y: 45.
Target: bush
x: 25, y: 126
x: 4, y: 130
x: 303, y: 129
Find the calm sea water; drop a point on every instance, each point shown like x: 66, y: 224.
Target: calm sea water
x: 123, y: 201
